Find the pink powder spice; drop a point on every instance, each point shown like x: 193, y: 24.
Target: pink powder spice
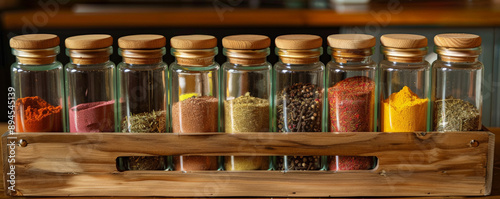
x: 92, y: 117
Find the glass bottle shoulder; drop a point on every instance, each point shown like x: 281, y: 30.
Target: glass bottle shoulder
x: 227, y: 66
x: 18, y: 67
x: 385, y: 65
x: 175, y: 67
x: 91, y: 67
x: 439, y: 64
x: 352, y: 66
x: 314, y: 67
x: 142, y: 67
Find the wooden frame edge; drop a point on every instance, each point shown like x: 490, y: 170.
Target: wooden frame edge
x: 490, y: 164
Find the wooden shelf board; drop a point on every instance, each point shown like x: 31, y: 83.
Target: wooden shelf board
x: 495, y: 189
x: 204, y: 17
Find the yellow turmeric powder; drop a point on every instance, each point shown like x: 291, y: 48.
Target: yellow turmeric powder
x: 404, y: 111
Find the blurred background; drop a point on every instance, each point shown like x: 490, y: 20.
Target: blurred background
x: 268, y: 17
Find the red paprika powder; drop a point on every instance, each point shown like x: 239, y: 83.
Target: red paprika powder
x: 351, y: 107
x: 352, y: 103
x: 33, y: 114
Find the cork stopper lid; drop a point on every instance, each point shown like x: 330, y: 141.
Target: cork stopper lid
x: 351, y: 41
x: 457, y: 40
x: 34, y: 41
x: 403, y: 41
x: 298, y: 42
x: 142, y: 42
x: 246, y: 42
x: 193, y: 42
x: 95, y: 41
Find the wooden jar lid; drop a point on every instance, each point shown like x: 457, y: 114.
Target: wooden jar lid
x: 142, y: 49
x: 96, y: 41
x: 193, y: 42
x: 34, y: 41
x: 89, y: 49
x: 403, y: 41
x: 246, y: 49
x: 194, y: 50
x: 142, y: 42
x: 298, y: 42
x: 351, y: 41
x: 457, y: 40
x: 246, y: 42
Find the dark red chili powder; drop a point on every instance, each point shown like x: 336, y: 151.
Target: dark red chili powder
x: 351, y: 107
x: 351, y: 163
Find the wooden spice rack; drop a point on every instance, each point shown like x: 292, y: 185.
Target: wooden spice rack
x: 410, y: 164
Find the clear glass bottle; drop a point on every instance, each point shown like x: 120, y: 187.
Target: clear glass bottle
x: 351, y: 80
x: 404, y: 83
x: 298, y: 93
x: 38, y: 81
x: 194, y: 94
x: 90, y: 84
x: 142, y: 80
x: 246, y: 91
x: 457, y: 77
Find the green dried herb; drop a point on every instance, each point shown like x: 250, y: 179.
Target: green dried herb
x: 148, y: 122
x: 146, y: 163
x: 453, y: 114
x: 246, y: 114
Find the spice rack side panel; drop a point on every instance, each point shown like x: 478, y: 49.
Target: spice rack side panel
x: 86, y: 159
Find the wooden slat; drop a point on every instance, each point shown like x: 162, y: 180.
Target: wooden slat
x: 272, y: 184
x: 373, y: 17
x: 166, y: 18
x: 373, y: 20
x: 410, y: 164
x: 5, y: 158
x: 494, y: 194
x: 490, y: 165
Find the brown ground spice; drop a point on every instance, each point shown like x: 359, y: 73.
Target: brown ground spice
x: 195, y: 115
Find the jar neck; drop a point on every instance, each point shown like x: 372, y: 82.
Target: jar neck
x: 458, y: 55
x: 246, y: 57
x: 194, y: 57
x: 36, y: 56
x: 404, y: 55
x: 361, y: 56
x: 142, y: 56
x: 307, y: 56
x: 89, y: 56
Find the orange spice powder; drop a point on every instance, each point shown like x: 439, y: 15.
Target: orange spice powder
x: 33, y: 114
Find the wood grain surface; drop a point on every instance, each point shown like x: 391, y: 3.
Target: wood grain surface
x: 495, y: 194
x: 403, y: 41
x: 392, y: 13
x: 410, y: 164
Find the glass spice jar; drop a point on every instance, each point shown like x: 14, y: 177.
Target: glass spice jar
x: 456, y: 78
x: 246, y: 84
x: 404, y: 83
x: 142, y: 93
x: 351, y: 85
x: 298, y: 93
x: 90, y: 84
x: 194, y: 94
x: 37, y: 78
